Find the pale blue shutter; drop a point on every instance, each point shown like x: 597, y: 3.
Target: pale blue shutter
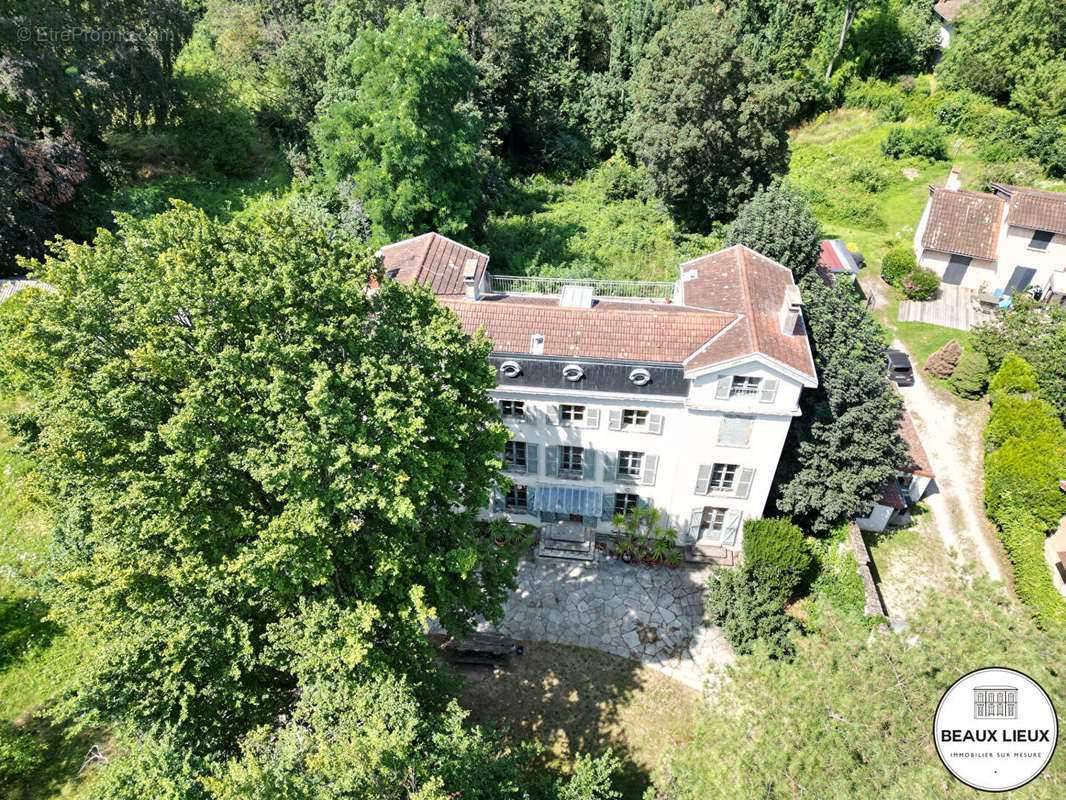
x: 703, y: 478
x: 555, y: 415
x: 768, y: 390
x: 651, y: 468
x: 610, y: 466
x: 592, y: 418
x: 531, y: 459
x: 608, y: 505
x: 614, y: 419
x: 724, y: 385
x: 730, y: 528
x: 551, y: 460
x: 655, y: 423
x: 530, y: 416
x: 530, y: 504
x: 497, y: 501
x: 588, y: 464
x: 694, y: 522
x: 744, y: 482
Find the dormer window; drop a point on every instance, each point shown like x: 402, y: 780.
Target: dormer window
x: 640, y: 377
x: 511, y: 369
x: 744, y: 386
x: 573, y: 372
x: 1041, y: 240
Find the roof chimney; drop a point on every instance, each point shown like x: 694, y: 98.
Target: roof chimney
x: 791, y: 309
x: 954, y: 182
x: 470, y: 284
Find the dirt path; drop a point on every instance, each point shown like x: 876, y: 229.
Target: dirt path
x: 952, y: 440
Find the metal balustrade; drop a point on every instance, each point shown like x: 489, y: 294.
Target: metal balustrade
x: 518, y: 284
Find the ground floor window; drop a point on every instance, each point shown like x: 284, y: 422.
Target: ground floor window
x: 712, y: 523
x: 517, y: 497
x: 625, y: 503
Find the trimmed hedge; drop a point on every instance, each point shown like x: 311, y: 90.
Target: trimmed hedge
x: 1027, y: 458
x: 898, y: 261
x: 970, y: 376
x: 777, y: 551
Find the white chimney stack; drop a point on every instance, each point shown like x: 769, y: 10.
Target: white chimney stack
x: 954, y: 182
x: 470, y: 285
x: 791, y: 309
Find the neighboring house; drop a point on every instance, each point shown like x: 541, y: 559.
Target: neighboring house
x: 676, y: 396
x: 909, y: 486
x: 836, y: 259
x: 1009, y: 240
x: 947, y: 12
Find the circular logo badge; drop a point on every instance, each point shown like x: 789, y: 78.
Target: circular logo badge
x: 995, y: 729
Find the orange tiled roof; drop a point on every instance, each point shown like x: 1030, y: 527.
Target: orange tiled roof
x: 963, y: 223
x: 432, y: 260
x: 1035, y: 209
x: 917, y: 460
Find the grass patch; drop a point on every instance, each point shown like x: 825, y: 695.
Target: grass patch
x: 571, y: 700
x: 545, y: 227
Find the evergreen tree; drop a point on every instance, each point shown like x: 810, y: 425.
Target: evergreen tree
x: 779, y: 223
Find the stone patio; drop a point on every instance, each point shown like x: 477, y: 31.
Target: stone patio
x: 651, y: 614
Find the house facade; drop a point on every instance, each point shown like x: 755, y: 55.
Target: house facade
x: 674, y: 396
x: 1007, y: 241
x: 946, y: 12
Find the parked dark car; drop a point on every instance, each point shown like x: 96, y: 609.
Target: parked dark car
x: 899, y: 368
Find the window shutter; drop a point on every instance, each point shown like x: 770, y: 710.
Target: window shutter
x: 769, y: 390
x: 730, y: 528
x: 614, y: 419
x: 556, y: 416
x: 497, y: 501
x: 592, y: 417
x: 499, y: 406
x: 551, y: 460
x: 608, y: 505
x: 588, y: 464
x: 610, y: 466
x: 655, y: 423
x: 530, y: 493
x: 694, y: 522
x: 725, y: 383
x: 530, y: 415
x: 703, y: 478
x: 651, y: 467
x: 744, y: 482
x: 531, y: 459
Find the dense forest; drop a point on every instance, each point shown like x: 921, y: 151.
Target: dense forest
x: 238, y: 618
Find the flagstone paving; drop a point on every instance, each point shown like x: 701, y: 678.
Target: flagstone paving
x: 651, y: 614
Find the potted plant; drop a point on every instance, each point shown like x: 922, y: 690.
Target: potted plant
x: 673, y: 559
x: 626, y: 548
x: 661, y: 549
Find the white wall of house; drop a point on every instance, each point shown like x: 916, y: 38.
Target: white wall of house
x: 944, y: 34
x: 982, y: 275
x: 918, y: 486
x: 1015, y: 251
x: 689, y: 437
x: 877, y: 519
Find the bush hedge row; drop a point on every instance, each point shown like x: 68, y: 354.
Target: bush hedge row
x: 1026, y: 459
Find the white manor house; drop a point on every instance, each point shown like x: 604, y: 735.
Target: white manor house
x: 620, y: 395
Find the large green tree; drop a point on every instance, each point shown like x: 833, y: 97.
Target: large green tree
x: 779, y: 223
x: 708, y: 122
x: 850, y: 716
x: 398, y: 121
x: 846, y: 446
x: 263, y: 474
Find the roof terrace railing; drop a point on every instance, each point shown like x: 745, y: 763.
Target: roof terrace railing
x: 518, y: 284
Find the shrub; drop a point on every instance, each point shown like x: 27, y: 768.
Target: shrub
x: 894, y: 110
x: 777, y: 551
x: 1023, y: 473
x: 970, y: 376
x: 749, y: 611
x: 920, y: 284
x: 21, y: 754
x: 871, y: 93
x: 1015, y: 376
x: 216, y: 133
x: 1022, y: 417
x: 868, y: 178
x: 838, y: 589
x: 618, y: 179
x: 898, y: 261
x: 942, y: 363
x: 924, y: 141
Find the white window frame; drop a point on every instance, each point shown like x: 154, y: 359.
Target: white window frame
x: 713, y: 520
x: 638, y: 418
x: 567, y: 453
x: 572, y: 414
x: 512, y: 462
x: 630, y: 465
x: 514, y: 491
x: 723, y: 472
x: 517, y: 409
x: 745, y: 386
x: 629, y: 503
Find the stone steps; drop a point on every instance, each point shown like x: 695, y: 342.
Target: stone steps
x: 564, y: 548
x: 709, y: 554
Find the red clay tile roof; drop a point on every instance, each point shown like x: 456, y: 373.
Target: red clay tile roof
x: 650, y: 332
x: 963, y: 223
x: 740, y: 281
x: 949, y: 10
x: 917, y: 460
x: 891, y: 496
x: 1035, y: 209
x: 432, y: 260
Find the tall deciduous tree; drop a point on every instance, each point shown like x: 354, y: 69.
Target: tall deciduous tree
x: 850, y: 715
x: 707, y: 122
x: 846, y: 445
x: 779, y: 223
x: 398, y: 121
x: 264, y: 475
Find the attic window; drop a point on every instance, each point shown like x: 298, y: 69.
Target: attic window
x: 536, y: 344
x: 640, y: 377
x: 511, y: 369
x: 1041, y: 240
x: 572, y: 372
